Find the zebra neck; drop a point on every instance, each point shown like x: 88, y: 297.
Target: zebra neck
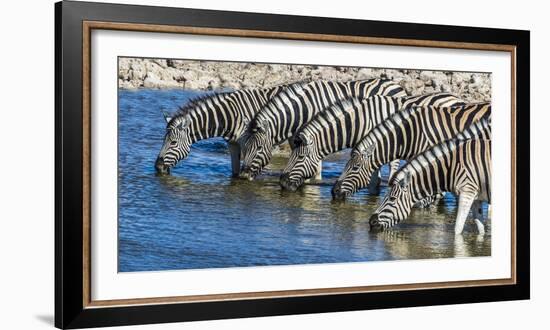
x: 400, y: 137
x: 325, y: 149
x: 296, y: 105
x: 216, y: 117
x: 434, y: 170
x: 228, y: 115
x: 339, y: 127
x: 283, y: 123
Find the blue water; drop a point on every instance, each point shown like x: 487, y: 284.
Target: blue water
x: 201, y: 218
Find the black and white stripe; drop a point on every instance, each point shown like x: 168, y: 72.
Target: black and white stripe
x: 406, y: 134
x: 224, y: 114
x: 462, y: 167
x: 342, y: 126
x: 294, y: 107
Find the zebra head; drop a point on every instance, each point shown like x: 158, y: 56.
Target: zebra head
x: 396, y: 205
x: 257, y: 150
x: 177, y: 144
x: 356, y: 174
x: 302, y: 165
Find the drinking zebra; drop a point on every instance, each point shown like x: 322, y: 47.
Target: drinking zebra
x: 459, y: 166
x: 404, y: 135
x: 283, y: 116
x: 343, y: 126
x: 223, y: 114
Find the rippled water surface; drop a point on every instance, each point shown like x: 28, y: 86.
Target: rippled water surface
x: 201, y: 218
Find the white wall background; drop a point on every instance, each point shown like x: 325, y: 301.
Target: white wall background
x: 27, y: 169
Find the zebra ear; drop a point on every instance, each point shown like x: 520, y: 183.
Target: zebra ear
x: 183, y: 124
x: 368, y: 150
x: 406, y: 179
x: 303, y: 140
x: 167, y: 116
x: 260, y: 127
x: 246, y: 126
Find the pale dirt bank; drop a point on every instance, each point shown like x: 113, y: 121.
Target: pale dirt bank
x: 207, y: 75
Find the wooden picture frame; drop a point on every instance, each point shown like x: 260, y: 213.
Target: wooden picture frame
x: 75, y: 21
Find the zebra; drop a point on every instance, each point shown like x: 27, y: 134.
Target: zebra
x: 459, y: 166
x: 224, y: 114
x: 343, y: 126
x: 283, y: 116
x: 404, y: 135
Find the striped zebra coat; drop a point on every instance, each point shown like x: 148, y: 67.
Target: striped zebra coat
x: 224, y: 114
x: 343, y: 126
x: 404, y: 135
x: 459, y: 166
x: 293, y: 107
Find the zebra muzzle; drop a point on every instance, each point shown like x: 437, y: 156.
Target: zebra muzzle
x: 337, y: 193
x: 161, y: 168
x: 375, y: 224
x: 246, y: 174
x: 288, y: 184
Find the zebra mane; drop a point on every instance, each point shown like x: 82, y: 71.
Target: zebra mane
x: 340, y: 106
x: 197, y: 101
x: 480, y: 129
x: 451, y: 108
x: 345, y: 103
x: 294, y: 87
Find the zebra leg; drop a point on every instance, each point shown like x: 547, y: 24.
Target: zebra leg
x: 374, y: 183
x: 318, y: 175
x: 477, y: 210
x: 235, y: 151
x: 465, y: 201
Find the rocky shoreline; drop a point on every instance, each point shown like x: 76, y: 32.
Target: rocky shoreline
x: 135, y: 73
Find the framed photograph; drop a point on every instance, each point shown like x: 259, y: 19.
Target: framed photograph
x: 218, y: 164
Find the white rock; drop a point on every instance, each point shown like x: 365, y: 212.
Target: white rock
x: 150, y: 73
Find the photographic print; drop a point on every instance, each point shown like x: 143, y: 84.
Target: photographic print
x: 237, y: 164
